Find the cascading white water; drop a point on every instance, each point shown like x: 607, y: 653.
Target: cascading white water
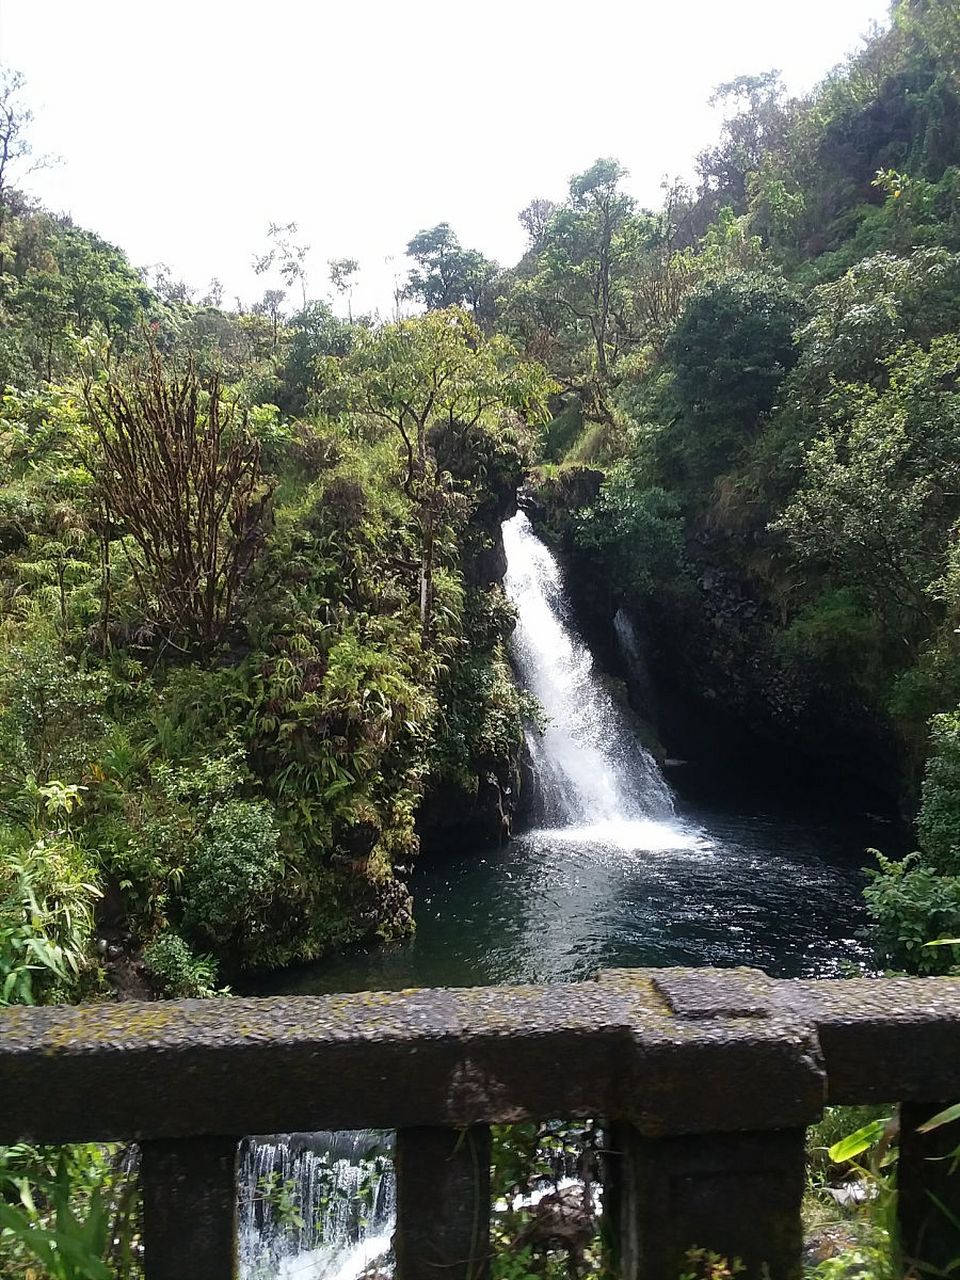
x: 590, y: 768
x: 317, y: 1206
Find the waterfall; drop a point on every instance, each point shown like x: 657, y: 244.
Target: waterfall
x: 591, y: 771
x: 315, y: 1206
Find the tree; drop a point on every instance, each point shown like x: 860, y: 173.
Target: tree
x: 315, y: 334
x: 729, y: 354
x: 447, y: 275
x: 16, y: 149
x: 181, y: 477
x: 572, y: 306
x: 662, y: 272
x: 159, y: 276
x: 634, y: 529
x: 860, y: 320
x: 937, y: 23
x: 286, y: 255
x: 269, y: 306
x: 342, y: 272
x: 214, y: 295
x: 601, y: 211
x: 879, y: 493
x: 535, y: 220
x: 43, y: 304
x: 429, y: 371
x: 102, y: 288
x: 754, y: 129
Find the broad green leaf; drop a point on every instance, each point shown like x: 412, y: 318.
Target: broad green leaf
x: 858, y: 1141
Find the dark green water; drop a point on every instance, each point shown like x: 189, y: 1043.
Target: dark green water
x: 778, y: 888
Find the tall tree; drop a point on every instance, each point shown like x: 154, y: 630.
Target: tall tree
x: 427, y: 371
x: 287, y: 255
x: 535, y: 219
x: 579, y: 277
x: 937, y: 23
x: 447, y: 275
x: 16, y: 151
x: 342, y: 274
x: 270, y: 306
x: 753, y: 129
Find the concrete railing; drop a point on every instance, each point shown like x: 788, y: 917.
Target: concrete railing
x: 705, y: 1081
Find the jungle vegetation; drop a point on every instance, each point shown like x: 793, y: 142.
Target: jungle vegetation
x: 249, y: 607
x: 250, y: 618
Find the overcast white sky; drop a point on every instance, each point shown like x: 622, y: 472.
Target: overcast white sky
x: 186, y: 126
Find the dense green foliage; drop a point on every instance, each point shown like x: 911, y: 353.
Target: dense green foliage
x: 244, y: 622
x: 249, y: 611
x: 224, y: 632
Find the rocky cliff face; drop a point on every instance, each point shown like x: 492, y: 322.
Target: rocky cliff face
x: 713, y: 643
x: 475, y: 804
x: 718, y: 644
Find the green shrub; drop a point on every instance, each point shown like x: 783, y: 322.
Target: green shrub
x: 558, y: 436
x: 48, y: 893
x: 729, y: 353
x: 51, y: 715
x: 177, y: 973
x: 836, y: 629
x: 911, y: 905
x: 636, y: 528
x: 202, y: 853
x: 939, y: 822
x: 231, y: 871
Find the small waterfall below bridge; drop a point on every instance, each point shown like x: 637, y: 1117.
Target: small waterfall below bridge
x: 316, y: 1206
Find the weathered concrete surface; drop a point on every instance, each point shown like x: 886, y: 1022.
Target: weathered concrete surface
x: 715, y: 993
x: 883, y: 1039
x: 679, y: 1051
x: 404, y: 1059
x: 443, y: 1204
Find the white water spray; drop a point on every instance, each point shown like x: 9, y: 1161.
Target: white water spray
x: 316, y: 1206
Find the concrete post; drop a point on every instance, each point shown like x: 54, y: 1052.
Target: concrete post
x: 735, y: 1194
x: 443, y: 1204
x: 928, y: 1188
x: 189, y: 1209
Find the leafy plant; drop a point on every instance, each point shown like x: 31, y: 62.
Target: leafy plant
x: 75, y: 1216
x: 177, y: 972
x: 702, y: 1264
x: 48, y: 892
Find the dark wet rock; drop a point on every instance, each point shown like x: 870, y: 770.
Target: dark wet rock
x: 451, y: 817
x: 562, y: 1220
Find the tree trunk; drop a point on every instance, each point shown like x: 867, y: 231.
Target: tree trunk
x: 426, y: 567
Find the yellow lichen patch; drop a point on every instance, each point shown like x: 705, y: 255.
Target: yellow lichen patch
x: 121, y: 1023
